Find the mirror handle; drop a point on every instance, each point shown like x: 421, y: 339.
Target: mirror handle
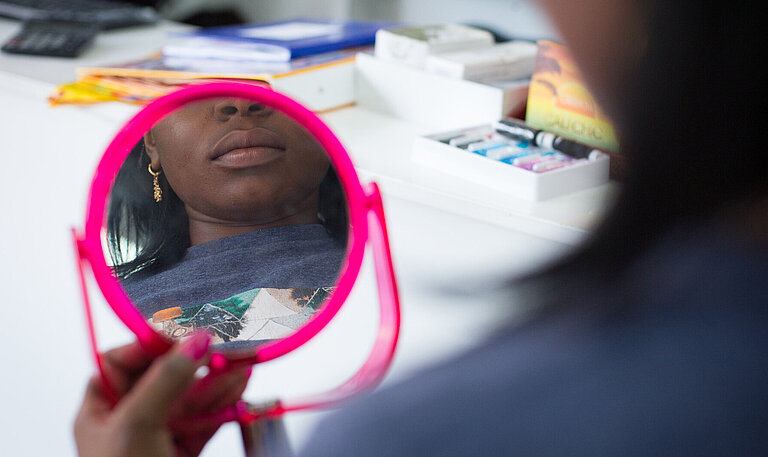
x: 385, y: 271
x: 81, y: 256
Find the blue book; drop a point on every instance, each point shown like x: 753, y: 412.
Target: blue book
x: 276, y: 41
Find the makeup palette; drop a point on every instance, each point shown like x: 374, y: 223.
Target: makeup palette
x: 489, y: 157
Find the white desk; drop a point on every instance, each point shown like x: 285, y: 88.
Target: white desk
x: 443, y: 233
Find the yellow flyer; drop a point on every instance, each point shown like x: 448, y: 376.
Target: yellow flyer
x: 559, y: 102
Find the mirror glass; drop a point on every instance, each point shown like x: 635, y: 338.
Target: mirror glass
x: 227, y: 216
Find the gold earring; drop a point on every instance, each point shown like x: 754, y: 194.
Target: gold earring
x: 158, y: 193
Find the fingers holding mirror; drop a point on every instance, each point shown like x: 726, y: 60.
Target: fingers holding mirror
x: 228, y: 216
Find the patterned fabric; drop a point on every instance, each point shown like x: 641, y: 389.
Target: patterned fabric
x: 256, y: 315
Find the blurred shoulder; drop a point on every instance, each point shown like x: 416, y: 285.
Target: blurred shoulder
x: 682, y: 370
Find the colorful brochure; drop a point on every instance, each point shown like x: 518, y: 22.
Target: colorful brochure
x: 559, y: 102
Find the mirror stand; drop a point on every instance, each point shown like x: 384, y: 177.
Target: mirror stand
x: 263, y: 432
x: 265, y: 437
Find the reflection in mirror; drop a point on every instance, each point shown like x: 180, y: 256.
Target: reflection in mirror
x: 227, y: 216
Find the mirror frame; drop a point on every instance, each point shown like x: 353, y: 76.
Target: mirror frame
x: 91, y: 246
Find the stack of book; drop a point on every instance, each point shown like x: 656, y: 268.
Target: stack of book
x: 308, y: 59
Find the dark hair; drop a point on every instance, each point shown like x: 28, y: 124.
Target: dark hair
x: 158, y: 233
x: 688, y: 123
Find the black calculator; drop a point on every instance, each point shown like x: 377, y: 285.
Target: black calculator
x: 52, y: 38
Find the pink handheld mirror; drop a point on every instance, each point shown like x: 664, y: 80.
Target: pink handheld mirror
x: 232, y: 208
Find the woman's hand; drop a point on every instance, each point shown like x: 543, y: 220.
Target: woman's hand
x: 155, y: 392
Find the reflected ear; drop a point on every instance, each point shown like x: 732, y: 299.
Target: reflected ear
x: 150, y: 147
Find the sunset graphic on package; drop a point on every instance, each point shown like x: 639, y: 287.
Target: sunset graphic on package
x: 559, y: 102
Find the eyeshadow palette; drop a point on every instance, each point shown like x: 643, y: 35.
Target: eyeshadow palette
x: 515, y: 166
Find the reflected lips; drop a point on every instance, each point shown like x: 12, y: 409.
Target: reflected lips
x: 248, y: 148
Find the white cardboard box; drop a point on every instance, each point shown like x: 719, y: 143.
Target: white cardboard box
x: 432, y: 100
x: 411, y: 45
x: 503, y: 61
x: 320, y: 89
x: 430, y: 151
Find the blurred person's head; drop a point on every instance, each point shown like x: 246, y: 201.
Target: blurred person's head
x: 681, y: 80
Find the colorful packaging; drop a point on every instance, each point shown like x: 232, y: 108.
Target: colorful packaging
x: 559, y: 102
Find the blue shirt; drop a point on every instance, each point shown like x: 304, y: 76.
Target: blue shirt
x: 287, y: 257
x: 683, y: 370
x: 245, y: 289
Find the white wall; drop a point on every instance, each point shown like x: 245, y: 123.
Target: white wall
x: 275, y: 10
x: 516, y: 18
x: 260, y: 10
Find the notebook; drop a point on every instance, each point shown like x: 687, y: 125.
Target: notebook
x: 275, y: 42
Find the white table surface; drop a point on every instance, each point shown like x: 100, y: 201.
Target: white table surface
x: 449, y: 239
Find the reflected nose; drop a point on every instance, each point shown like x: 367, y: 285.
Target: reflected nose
x: 235, y: 107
